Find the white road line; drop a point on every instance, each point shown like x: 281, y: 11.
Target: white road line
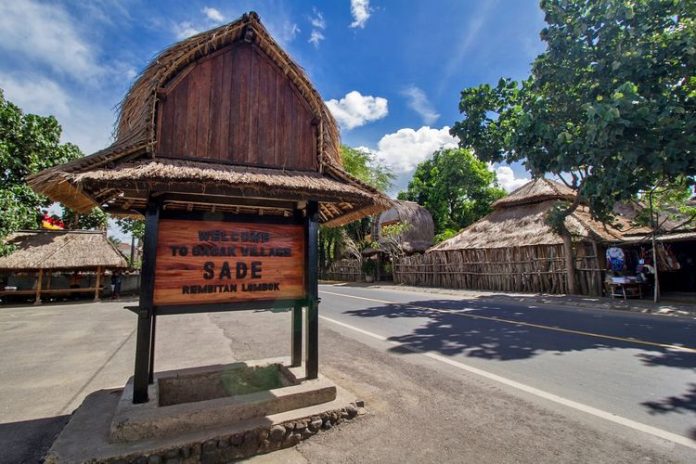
x: 669, y: 436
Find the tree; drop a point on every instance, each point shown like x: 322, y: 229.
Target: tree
x: 94, y: 220
x: 614, y: 93
x: 455, y: 186
x: 28, y: 144
x: 609, y: 106
x: 333, y: 242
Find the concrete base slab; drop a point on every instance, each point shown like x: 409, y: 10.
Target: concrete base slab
x: 87, y: 437
x: 134, y: 422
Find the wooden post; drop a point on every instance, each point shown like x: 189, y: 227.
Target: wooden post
x: 312, y: 366
x: 98, y: 284
x: 595, y: 250
x: 570, y: 262
x: 296, y: 336
x: 37, y: 301
x: 144, y: 362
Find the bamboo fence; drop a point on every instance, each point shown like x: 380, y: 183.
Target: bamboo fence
x: 528, y: 269
x: 344, y: 270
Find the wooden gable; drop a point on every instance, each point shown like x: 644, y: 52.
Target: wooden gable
x: 237, y: 107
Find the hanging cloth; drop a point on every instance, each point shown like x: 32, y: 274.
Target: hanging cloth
x: 615, y: 259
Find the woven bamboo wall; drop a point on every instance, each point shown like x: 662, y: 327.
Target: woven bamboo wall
x: 343, y: 270
x: 530, y: 269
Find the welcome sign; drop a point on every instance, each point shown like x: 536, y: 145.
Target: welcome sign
x: 201, y: 261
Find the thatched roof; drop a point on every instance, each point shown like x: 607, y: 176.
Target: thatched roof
x: 536, y: 191
x: 420, y: 227
x: 522, y: 221
x: 96, y: 180
x: 53, y: 249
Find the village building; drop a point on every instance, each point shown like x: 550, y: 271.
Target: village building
x: 513, y: 249
x: 56, y: 264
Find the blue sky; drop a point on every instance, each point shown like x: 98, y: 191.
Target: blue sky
x: 390, y: 71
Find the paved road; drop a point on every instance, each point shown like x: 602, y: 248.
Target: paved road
x: 637, y: 367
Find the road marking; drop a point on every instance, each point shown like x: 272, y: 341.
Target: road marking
x: 669, y: 436
x: 526, y: 324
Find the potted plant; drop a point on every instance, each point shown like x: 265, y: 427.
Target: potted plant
x: 369, y: 266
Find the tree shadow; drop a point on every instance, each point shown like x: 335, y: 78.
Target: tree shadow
x: 477, y: 336
x: 679, y: 404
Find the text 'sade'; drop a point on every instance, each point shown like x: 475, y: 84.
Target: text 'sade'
x: 221, y: 261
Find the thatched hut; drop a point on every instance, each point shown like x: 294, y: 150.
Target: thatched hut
x: 419, y: 229
x: 41, y: 254
x: 225, y: 116
x: 514, y: 249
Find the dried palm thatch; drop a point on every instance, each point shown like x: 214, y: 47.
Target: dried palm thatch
x: 94, y: 180
x: 50, y: 250
x: 420, y: 229
x: 521, y: 221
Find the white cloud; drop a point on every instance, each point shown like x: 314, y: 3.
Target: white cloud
x: 46, y: 34
x: 418, y: 102
x: 213, y: 14
x: 507, y: 180
x: 315, y: 37
x: 360, y: 9
x: 318, y: 25
x: 356, y: 110
x: 184, y: 30
x: 318, y: 20
x: 85, y: 122
x: 404, y: 149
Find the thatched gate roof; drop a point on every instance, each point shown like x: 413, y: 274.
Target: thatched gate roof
x: 54, y: 250
x: 520, y: 220
x: 420, y: 230
x: 122, y: 176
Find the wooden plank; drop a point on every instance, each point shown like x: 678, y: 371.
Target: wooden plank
x: 252, y: 113
x: 97, y: 286
x: 202, y: 76
x: 239, y: 114
x: 189, y: 87
x: 224, y: 261
x: 221, y: 92
x: 37, y: 301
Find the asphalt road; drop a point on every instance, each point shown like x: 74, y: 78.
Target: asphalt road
x: 634, y: 370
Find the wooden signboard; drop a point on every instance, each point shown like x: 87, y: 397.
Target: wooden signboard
x: 200, y: 261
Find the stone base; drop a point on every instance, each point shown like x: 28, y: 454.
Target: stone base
x: 90, y: 437
x: 134, y: 422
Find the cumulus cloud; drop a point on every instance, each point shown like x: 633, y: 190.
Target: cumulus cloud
x: 418, y: 102
x: 315, y: 37
x: 507, y: 180
x: 213, y: 14
x: 356, y: 110
x: 360, y: 9
x: 404, y: 149
x: 46, y: 34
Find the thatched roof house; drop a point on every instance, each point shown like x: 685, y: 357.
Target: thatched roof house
x: 61, y: 250
x: 420, y: 229
x: 224, y: 114
x: 519, y: 219
x: 514, y: 249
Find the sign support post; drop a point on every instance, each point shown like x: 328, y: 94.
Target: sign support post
x: 312, y: 290
x: 145, y: 342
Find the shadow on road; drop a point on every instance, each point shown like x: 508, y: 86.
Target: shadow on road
x: 448, y: 333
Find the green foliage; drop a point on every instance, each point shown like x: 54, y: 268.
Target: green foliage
x: 445, y: 235
x: 455, y: 186
x: 95, y: 220
x: 667, y: 202
x: 336, y: 241
x: 28, y: 144
x: 610, y: 103
x: 369, y: 267
x: 363, y: 166
x: 135, y: 227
